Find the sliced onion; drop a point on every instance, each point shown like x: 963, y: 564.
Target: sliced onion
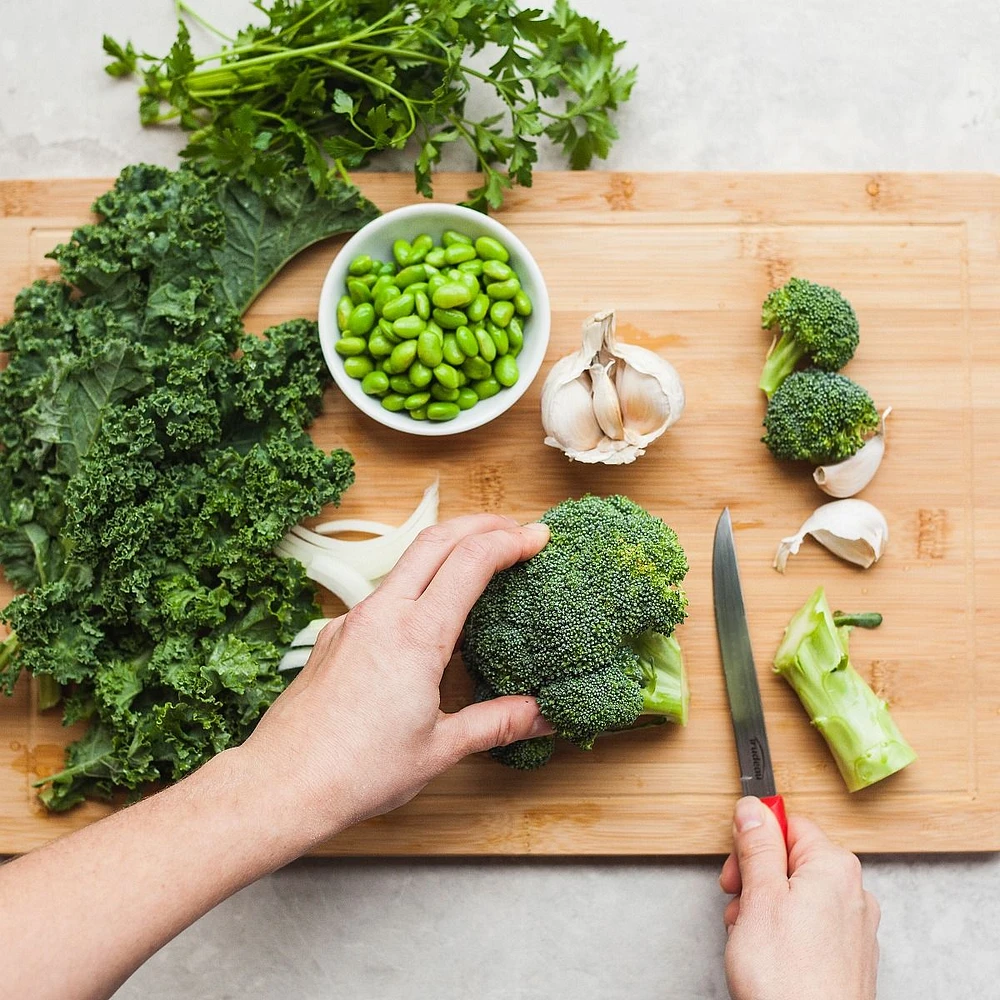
x: 345, y: 524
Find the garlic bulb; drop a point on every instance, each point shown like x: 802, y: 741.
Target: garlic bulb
x: 855, y: 530
x: 609, y: 401
x: 853, y: 474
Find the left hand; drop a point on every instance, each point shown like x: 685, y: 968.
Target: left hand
x: 360, y: 731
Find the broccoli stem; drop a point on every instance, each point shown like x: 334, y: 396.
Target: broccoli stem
x: 664, y: 681
x: 861, y: 734
x: 781, y: 361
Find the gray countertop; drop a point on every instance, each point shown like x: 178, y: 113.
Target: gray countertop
x: 724, y: 85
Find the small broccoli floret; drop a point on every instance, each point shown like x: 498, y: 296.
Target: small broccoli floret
x: 814, y: 658
x: 525, y: 755
x: 584, y: 625
x: 819, y: 417
x: 816, y: 324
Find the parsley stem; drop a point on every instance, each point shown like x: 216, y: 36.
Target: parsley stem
x: 183, y: 8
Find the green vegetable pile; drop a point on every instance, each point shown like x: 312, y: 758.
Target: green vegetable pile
x: 585, y: 626
x: 152, y: 455
x: 813, y: 414
x: 814, y: 657
x: 437, y: 329
x: 348, y: 79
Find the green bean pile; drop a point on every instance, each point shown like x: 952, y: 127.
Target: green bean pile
x: 436, y: 329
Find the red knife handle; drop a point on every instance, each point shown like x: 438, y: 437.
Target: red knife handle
x: 777, y: 805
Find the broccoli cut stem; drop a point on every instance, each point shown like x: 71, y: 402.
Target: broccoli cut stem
x: 861, y: 734
x: 781, y: 361
x: 662, y: 676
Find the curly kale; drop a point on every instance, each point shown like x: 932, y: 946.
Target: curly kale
x: 153, y: 454
x: 585, y: 626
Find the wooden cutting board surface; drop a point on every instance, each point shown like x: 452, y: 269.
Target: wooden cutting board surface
x: 687, y: 259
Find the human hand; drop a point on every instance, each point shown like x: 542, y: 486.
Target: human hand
x: 801, y: 926
x: 360, y: 731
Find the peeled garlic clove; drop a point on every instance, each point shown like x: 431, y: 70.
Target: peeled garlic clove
x: 605, y: 400
x: 852, y: 475
x: 854, y: 530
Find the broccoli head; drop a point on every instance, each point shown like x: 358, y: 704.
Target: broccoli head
x: 816, y: 324
x: 585, y: 626
x: 819, y: 417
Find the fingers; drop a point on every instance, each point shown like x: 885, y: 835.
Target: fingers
x: 448, y: 598
x: 760, y: 846
x: 494, y: 723
x: 420, y: 562
x: 321, y: 648
x: 729, y: 878
x: 731, y: 913
x: 809, y: 845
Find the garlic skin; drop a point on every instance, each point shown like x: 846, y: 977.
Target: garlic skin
x: 609, y: 401
x: 853, y: 474
x: 854, y: 530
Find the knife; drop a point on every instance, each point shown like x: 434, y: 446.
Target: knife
x: 756, y: 773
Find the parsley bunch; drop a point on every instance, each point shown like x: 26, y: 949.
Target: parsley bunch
x: 341, y: 80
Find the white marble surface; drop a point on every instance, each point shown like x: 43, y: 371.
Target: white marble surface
x: 724, y: 85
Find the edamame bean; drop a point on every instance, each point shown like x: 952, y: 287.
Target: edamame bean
x: 344, y: 309
x: 451, y: 351
x: 502, y: 312
x: 515, y: 336
x: 349, y: 347
x: 423, y: 305
x: 471, y: 282
x: 375, y: 384
x: 467, y: 399
x: 430, y: 350
x: 386, y: 268
x: 403, y: 384
x: 491, y: 249
x: 463, y: 379
x: 443, y: 395
x: 447, y: 376
x: 361, y: 320
x: 420, y: 247
x: 497, y: 270
x: 403, y: 355
x: 478, y: 308
x: 358, y: 291
x: 401, y: 305
x: 401, y: 250
x: 385, y: 328
x: 467, y: 341
x: 417, y: 286
x: 476, y: 368
x: 431, y: 325
x: 486, y: 387
x: 451, y: 295
x: 358, y: 367
x: 368, y: 280
x: 435, y: 257
x: 499, y: 337
x: 434, y: 282
x: 361, y: 264
x: 410, y: 276
x: 393, y: 402
x: 503, y: 289
x: 384, y: 296
x: 505, y: 370
x: 487, y: 348
x: 473, y: 267
x: 417, y: 400
x: 451, y: 236
x: 440, y: 412
x: 420, y: 413
x: 419, y: 374
x: 522, y: 303
x: 459, y: 252
x: 449, y: 319
x: 379, y: 346
x: 408, y: 327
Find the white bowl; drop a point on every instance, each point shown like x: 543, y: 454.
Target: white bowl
x: 407, y: 223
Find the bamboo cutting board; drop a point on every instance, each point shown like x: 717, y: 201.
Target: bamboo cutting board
x: 687, y: 260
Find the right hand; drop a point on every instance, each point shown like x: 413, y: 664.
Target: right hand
x: 801, y: 925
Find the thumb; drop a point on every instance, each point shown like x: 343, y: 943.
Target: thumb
x: 759, y: 845
x: 495, y: 723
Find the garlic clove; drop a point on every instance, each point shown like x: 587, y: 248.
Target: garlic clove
x: 605, y: 400
x: 570, y: 420
x: 853, y: 474
x: 854, y: 530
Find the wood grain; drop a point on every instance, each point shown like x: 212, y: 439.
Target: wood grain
x: 687, y: 259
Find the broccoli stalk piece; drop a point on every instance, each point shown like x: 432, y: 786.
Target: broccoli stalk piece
x: 814, y: 658
x: 819, y: 417
x: 816, y: 324
x: 585, y: 626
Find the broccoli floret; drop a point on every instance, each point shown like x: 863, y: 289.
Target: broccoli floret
x: 816, y: 324
x: 525, y: 755
x: 819, y: 417
x: 814, y: 658
x: 584, y: 626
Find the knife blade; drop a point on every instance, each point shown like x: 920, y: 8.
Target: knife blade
x: 752, y: 750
